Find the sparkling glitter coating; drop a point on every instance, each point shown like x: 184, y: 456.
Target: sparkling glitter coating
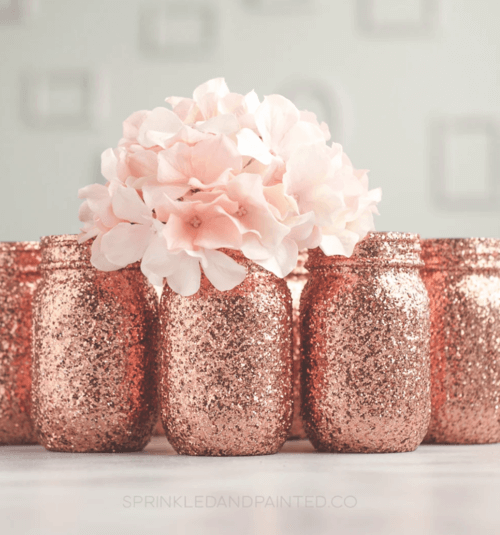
x: 463, y: 280
x: 95, y: 350
x: 296, y: 282
x: 226, y: 366
x: 19, y: 275
x: 365, y: 341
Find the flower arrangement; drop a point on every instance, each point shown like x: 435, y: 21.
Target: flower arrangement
x: 223, y: 171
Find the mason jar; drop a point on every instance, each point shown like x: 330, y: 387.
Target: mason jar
x: 463, y: 280
x: 226, y: 366
x: 19, y: 276
x: 365, y: 346
x: 95, y: 350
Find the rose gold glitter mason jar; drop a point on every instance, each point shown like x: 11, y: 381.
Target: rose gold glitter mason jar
x: 94, y: 360
x: 365, y: 342
x: 463, y: 280
x: 226, y: 366
x: 19, y: 275
x: 296, y: 282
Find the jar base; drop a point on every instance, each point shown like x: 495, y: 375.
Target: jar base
x: 191, y: 453
x: 350, y: 449
x: 63, y: 449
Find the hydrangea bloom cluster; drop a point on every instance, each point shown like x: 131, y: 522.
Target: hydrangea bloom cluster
x: 223, y: 171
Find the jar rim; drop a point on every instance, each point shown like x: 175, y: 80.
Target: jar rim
x: 381, y: 248
x: 21, y: 246
x: 461, y: 253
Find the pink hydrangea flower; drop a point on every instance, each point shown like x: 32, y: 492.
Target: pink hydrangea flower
x: 222, y: 170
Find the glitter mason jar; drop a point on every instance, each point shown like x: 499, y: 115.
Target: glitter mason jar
x: 463, y: 280
x: 226, y: 366
x: 94, y: 358
x: 296, y: 281
x: 19, y: 275
x: 365, y: 341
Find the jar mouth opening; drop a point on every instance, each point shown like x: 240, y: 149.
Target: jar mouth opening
x: 376, y: 248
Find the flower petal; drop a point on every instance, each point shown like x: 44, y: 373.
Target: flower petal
x: 128, y: 205
x: 274, y: 118
x: 250, y: 144
x: 126, y: 243
x: 186, y: 279
x: 99, y: 260
x: 221, y: 124
x: 159, y: 125
x: 342, y: 243
x: 222, y: 271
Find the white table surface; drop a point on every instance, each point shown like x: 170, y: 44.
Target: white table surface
x: 435, y: 490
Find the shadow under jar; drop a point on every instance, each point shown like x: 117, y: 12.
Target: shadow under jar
x: 19, y: 275
x: 365, y: 342
x: 463, y: 281
x: 226, y: 366
x: 95, y: 348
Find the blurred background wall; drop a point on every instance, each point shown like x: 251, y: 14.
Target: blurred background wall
x: 411, y: 88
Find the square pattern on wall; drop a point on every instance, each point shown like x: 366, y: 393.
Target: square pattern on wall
x: 464, y: 163
x: 11, y: 11
x: 177, y: 30
x: 57, y: 99
x: 395, y: 19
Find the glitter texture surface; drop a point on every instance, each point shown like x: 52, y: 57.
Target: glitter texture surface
x: 226, y: 366
x: 19, y: 275
x: 463, y: 280
x: 95, y: 349
x: 365, y: 340
x: 296, y: 282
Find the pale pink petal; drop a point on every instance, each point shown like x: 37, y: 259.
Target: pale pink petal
x: 282, y: 259
x: 252, y: 102
x: 132, y: 124
x: 250, y: 144
x: 301, y: 226
x: 218, y: 232
x: 221, y: 124
x: 99, y: 260
x: 99, y: 201
x: 185, y: 108
x: 85, y: 213
x: 275, y: 117
x: 143, y: 163
x: 159, y: 125
x: 179, y: 233
x: 186, y: 279
x: 211, y: 157
x: 126, y: 243
x: 109, y: 163
x: 188, y: 135
x: 300, y: 134
x: 222, y: 271
x: 312, y: 241
x: 162, y: 199
x: 158, y: 260
x: 310, y: 117
x: 174, y: 164
x: 87, y: 234
x: 208, y: 94
x: 362, y: 224
x: 128, y: 205
x: 279, y: 200
x: 341, y: 243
